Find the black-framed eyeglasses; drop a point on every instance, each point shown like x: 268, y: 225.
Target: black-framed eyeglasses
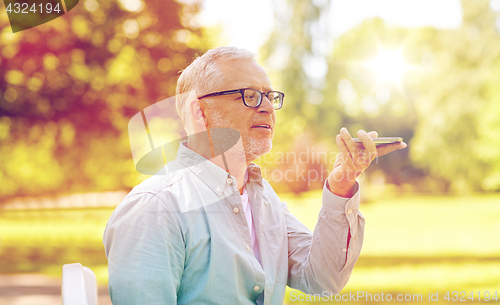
x: 253, y: 98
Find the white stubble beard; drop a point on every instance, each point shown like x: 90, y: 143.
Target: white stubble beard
x: 253, y: 148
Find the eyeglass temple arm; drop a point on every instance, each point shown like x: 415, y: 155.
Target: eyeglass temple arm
x: 222, y: 93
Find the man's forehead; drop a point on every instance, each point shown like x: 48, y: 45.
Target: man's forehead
x: 242, y: 73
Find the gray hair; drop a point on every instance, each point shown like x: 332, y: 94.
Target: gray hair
x: 203, y: 75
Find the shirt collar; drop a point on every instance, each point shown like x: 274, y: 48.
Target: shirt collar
x: 212, y: 175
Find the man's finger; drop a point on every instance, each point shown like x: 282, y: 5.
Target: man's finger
x: 373, y: 134
x: 387, y: 148
x: 367, y: 142
x: 344, y: 152
x: 349, y: 142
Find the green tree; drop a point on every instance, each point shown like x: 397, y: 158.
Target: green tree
x: 69, y: 87
x: 326, y: 87
x: 364, y: 100
x: 456, y: 138
x: 295, y: 55
x: 445, y: 105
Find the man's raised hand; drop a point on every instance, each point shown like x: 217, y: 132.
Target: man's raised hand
x: 354, y: 158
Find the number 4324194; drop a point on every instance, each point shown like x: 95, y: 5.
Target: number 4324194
x: 462, y: 296
x: 22, y: 8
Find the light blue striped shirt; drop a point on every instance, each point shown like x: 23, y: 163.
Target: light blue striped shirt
x: 182, y: 238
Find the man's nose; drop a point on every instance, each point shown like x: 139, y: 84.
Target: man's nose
x: 266, y: 105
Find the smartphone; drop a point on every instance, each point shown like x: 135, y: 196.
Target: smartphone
x: 383, y: 140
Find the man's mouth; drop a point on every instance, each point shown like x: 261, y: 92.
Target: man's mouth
x: 262, y: 126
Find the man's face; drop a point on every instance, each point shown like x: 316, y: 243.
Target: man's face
x: 228, y: 111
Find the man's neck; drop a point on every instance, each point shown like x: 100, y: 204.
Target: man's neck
x: 235, y: 160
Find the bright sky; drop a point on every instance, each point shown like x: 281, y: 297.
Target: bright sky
x: 247, y: 24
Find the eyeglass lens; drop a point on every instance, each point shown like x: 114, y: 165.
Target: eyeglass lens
x: 253, y: 97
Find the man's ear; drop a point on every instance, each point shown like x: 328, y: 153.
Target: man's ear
x: 197, y: 113
x: 195, y: 109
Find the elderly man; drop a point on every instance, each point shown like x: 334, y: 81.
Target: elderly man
x: 212, y: 230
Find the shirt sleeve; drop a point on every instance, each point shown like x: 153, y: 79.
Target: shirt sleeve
x: 324, y: 260
x: 145, y: 250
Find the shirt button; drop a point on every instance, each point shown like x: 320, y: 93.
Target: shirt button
x: 218, y: 189
x: 248, y: 247
x: 229, y: 180
x: 236, y: 210
x: 349, y: 212
x: 256, y: 288
x: 344, y: 250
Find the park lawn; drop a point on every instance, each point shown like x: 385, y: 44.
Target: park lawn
x: 42, y: 241
x: 412, y: 244
x: 420, y: 245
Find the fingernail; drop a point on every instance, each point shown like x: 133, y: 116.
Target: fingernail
x: 404, y: 144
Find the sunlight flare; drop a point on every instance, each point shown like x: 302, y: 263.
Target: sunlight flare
x: 389, y: 66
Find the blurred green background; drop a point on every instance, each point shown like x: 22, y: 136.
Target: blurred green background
x: 68, y: 89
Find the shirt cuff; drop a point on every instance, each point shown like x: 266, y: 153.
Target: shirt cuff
x: 336, y: 206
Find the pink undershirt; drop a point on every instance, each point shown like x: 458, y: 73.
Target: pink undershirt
x: 251, y: 227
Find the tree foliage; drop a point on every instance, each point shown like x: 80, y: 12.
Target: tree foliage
x: 326, y: 87
x: 445, y: 106
x: 458, y: 109
x: 69, y: 87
